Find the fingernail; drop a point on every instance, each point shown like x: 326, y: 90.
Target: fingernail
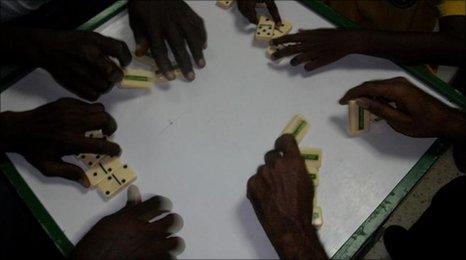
x: 205, y: 46
x: 201, y: 63
x: 190, y: 76
x: 85, y: 182
x: 116, y: 76
x: 133, y: 195
x: 170, y: 76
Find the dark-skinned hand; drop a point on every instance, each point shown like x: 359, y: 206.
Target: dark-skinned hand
x: 79, y: 61
x: 172, y: 21
x: 316, y: 48
x: 282, y: 193
x: 415, y: 113
x: 128, y: 234
x: 248, y: 9
x: 45, y: 134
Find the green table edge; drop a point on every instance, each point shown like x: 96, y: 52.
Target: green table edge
x: 52, y: 229
x: 361, y: 236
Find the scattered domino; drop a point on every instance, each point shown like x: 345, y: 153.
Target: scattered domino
x: 110, y: 163
x: 317, y: 218
x: 117, y: 181
x: 298, y: 127
x: 358, y: 119
x: 137, y: 79
x: 282, y: 29
x: 312, y: 157
x: 95, y: 175
x: 265, y: 29
x: 225, y: 4
x: 90, y: 160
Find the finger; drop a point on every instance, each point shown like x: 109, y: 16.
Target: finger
x: 76, y: 86
x: 380, y: 89
x: 322, y: 58
x: 152, y: 207
x: 272, y: 157
x: 287, y: 145
x: 170, y: 224
x: 80, y: 107
x: 195, y: 44
x: 142, y: 45
x: 142, y: 48
x: 383, y: 110
x: 102, y: 120
x: 248, y: 10
x: 115, y: 48
x: 112, y: 72
x: 171, y: 245
x: 133, y: 196
x: 159, y: 53
x: 297, y: 37
x: 178, y: 46
x: 59, y: 168
x: 301, y: 58
x: 79, y: 144
x: 273, y: 10
x: 287, y: 51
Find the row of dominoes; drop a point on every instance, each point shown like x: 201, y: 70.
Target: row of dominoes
x: 359, y: 119
x: 298, y: 127
x: 108, y: 173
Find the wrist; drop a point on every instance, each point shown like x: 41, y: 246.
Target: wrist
x: 455, y: 126
x: 7, y: 133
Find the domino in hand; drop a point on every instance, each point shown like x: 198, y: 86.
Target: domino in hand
x: 358, y: 119
x: 265, y: 29
x: 312, y: 157
x: 138, y: 79
x: 298, y: 127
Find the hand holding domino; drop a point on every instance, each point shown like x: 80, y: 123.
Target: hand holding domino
x: 248, y: 10
x: 153, y: 24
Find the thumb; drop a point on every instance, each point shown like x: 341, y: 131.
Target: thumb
x: 134, y: 196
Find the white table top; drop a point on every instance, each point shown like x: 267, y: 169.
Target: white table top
x: 198, y: 143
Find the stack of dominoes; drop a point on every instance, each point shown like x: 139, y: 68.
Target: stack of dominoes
x: 109, y: 174
x: 298, y: 127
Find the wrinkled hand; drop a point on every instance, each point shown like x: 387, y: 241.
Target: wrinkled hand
x: 154, y: 22
x: 416, y: 113
x: 317, y: 48
x: 281, y: 193
x: 128, y: 234
x: 46, y: 134
x: 79, y: 61
x: 248, y: 9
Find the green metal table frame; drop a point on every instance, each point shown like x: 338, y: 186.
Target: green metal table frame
x: 359, y: 238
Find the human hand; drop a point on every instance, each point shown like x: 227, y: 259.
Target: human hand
x: 282, y: 193
x: 154, y: 22
x: 317, y: 48
x: 128, y: 234
x: 79, y: 61
x: 248, y: 9
x: 45, y: 134
x: 415, y: 114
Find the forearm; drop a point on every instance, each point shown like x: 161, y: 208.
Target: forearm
x: 455, y: 126
x: 413, y: 47
x: 7, y: 133
x: 17, y: 46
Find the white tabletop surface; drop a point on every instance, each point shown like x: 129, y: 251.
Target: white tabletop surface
x: 198, y: 143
